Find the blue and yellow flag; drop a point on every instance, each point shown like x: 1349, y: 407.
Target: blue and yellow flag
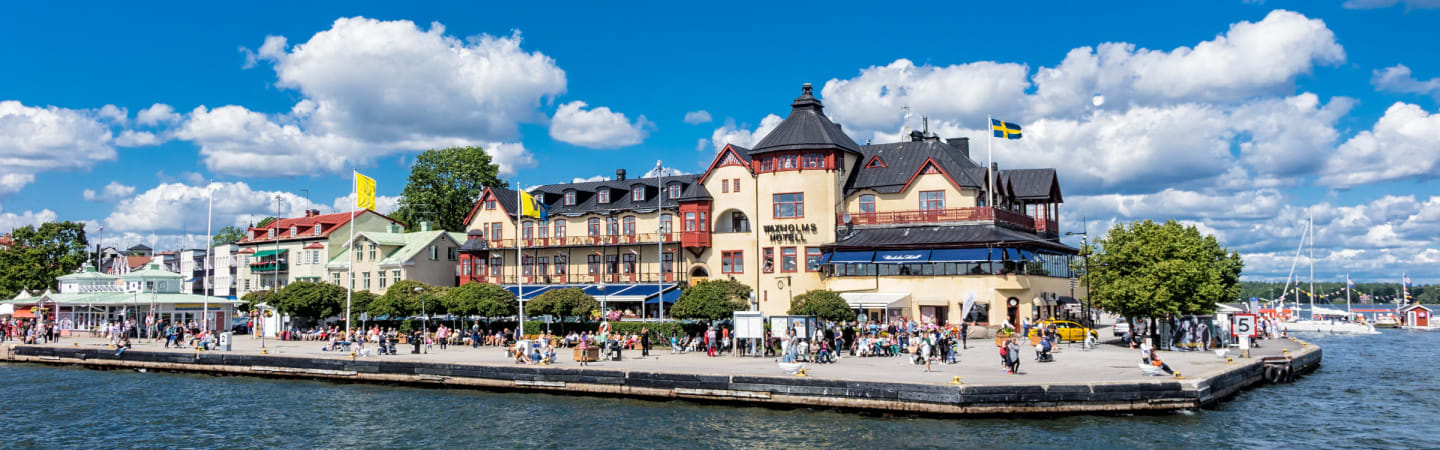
x: 1005, y: 130
x: 533, y: 207
x: 364, y: 192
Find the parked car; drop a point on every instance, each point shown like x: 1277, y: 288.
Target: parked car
x: 1121, y: 328
x: 1068, y: 331
x: 240, y: 325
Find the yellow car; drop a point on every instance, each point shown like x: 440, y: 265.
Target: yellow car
x: 1068, y: 331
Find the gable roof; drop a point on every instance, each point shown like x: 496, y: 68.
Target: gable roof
x: 328, y: 222
x: 730, y: 149
x: 586, y: 200
x: 1032, y: 184
x: 806, y: 128
x: 407, y: 245
x: 903, y: 160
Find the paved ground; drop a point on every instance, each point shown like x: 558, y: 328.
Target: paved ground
x: 980, y: 364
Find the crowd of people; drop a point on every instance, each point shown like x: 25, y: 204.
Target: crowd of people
x: 29, y: 331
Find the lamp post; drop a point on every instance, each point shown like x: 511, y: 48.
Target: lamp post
x: 659, y: 243
x: 1085, y: 246
x: 424, y: 318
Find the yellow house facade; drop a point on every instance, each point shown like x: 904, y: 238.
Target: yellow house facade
x: 298, y: 248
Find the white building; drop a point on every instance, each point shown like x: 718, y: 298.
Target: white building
x: 223, y: 266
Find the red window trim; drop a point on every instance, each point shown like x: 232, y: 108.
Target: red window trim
x: 724, y: 186
x: 807, y: 258
x: 923, y: 200
x: 771, y: 162
x: 767, y: 255
x: 732, y: 255
x: 775, y: 206
x: 736, y: 183
x: 875, y: 163
x: 782, y: 260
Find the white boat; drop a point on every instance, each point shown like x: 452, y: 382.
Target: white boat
x: 1386, y: 321
x: 1318, y: 314
x: 1325, y: 326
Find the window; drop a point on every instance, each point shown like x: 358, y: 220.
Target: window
x: 736, y: 184
x: 497, y: 264
x: 527, y: 265
x: 594, y: 226
x: 665, y: 224
x: 365, y: 277
x: 542, y: 265
x: 732, y: 261
x: 790, y: 206
x: 497, y: 231
x: 787, y: 161
x: 767, y: 164
x: 569, y: 198
x: 247, y: 282
x: 637, y: 194
x: 434, y: 253
x: 814, y: 161
x: 527, y: 230
x: 689, y: 221
x: 612, y: 226
x: 317, y: 233
x: 559, y: 264
x: 739, y: 223
x: 629, y: 260
x: 932, y: 200
x: 767, y: 261
x: 270, y: 233
x: 812, y: 259
x: 875, y: 163
x: 381, y: 279
x: 544, y: 229
x: 396, y: 275
x: 294, y: 230
x: 372, y: 251
x: 630, y: 225
x: 490, y: 204
x: 674, y: 191
x: 452, y: 253
x: 603, y: 195
x: 612, y: 264
x: 667, y: 262
x: 787, y: 259
x: 359, y: 251
x: 334, y: 279
x: 930, y: 169
x: 560, y: 229
x: 593, y: 261
x: 725, y: 186
x: 867, y: 203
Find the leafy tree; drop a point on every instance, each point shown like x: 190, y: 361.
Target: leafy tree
x: 711, y: 300
x: 40, y: 255
x: 567, y: 302
x: 822, y: 303
x: 263, y: 222
x: 253, y: 298
x: 444, y: 184
x: 310, y: 300
x: 480, y: 299
x: 1155, y: 270
x: 228, y: 235
x: 401, y: 300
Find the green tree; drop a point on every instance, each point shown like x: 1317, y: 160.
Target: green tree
x: 401, y: 300
x: 711, y: 300
x: 263, y: 222
x: 567, y: 302
x: 310, y: 300
x: 40, y: 255
x: 228, y: 235
x: 480, y: 299
x: 253, y: 298
x: 444, y: 184
x: 822, y: 303
x: 1155, y: 270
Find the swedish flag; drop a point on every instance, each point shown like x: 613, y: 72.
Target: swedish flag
x: 1005, y: 130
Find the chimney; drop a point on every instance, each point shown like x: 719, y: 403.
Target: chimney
x: 961, y: 144
x: 620, y: 174
x: 917, y: 136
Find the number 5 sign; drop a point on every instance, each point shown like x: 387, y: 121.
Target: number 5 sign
x: 1244, y: 325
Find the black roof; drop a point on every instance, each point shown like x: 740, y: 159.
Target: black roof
x: 952, y: 236
x: 587, y: 200
x: 805, y: 128
x: 506, y: 197
x: 1031, y: 184
x: 902, y: 159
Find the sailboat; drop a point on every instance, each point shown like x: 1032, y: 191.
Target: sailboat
x: 1321, y: 319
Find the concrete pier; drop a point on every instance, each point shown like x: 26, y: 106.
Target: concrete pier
x: 865, y: 386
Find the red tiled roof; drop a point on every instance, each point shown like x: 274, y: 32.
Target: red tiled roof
x: 314, y: 245
x: 328, y: 223
x: 246, y: 250
x: 136, y: 261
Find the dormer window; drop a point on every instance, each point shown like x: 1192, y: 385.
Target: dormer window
x: 317, y: 230
x: 603, y: 195
x: 570, y: 198
x: 674, y: 191
x: 490, y: 204
x: 270, y: 233
x: 294, y: 231
x: 637, y: 194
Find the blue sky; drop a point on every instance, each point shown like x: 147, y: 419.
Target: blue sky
x: 1241, y: 117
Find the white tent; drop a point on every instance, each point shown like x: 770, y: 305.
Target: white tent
x: 1221, y: 308
x: 875, y: 300
x: 7, y: 309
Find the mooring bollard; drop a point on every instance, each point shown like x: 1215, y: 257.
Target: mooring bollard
x: 956, y: 381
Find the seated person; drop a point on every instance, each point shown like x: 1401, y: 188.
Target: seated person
x: 1153, y: 359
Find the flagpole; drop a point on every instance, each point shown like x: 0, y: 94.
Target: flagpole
x: 990, y: 157
x: 520, y: 261
x: 205, y: 269
x: 350, y: 267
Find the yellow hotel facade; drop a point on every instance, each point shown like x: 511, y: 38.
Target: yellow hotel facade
x: 900, y: 229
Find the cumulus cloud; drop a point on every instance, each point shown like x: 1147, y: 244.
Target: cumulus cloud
x: 586, y: 180
x: 157, y: 114
x: 132, y: 138
x: 111, y: 192
x: 1374, y: 4
x: 112, y: 113
x: 697, y: 117
x: 10, y: 221
x: 35, y: 139
x: 384, y: 204
x: 1398, y: 79
x: 510, y: 156
x: 596, y: 128
x: 876, y: 99
x: 1404, y: 143
x: 174, y: 208
x: 741, y: 135
x: 373, y: 88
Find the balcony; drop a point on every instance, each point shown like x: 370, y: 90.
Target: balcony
x: 587, y: 241
x: 269, y: 267
x: 695, y: 239
x: 979, y: 214
x: 1047, y: 227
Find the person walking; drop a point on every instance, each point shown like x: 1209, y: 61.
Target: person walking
x: 710, y: 342
x: 644, y: 342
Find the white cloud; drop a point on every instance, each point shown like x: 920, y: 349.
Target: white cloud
x: 510, y: 156
x: 157, y: 114
x: 112, y: 192
x: 171, y: 208
x: 1285, y: 134
x: 667, y: 171
x: 697, y: 117
x: 594, y: 178
x: 36, y: 139
x: 1374, y: 4
x: 741, y: 135
x: 11, y: 221
x: 384, y: 204
x: 596, y: 128
x: 876, y: 99
x: 373, y: 88
x: 112, y: 113
x: 1404, y: 143
x: 1259, y: 204
x: 1399, y: 79
x: 132, y: 138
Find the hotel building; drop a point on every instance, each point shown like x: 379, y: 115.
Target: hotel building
x: 899, y: 229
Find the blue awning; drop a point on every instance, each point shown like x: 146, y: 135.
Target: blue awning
x: 1026, y: 255
x: 192, y: 280
x: 825, y: 259
x: 852, y: 257
x: 959, y: 255
x: 997, y: 254
x: 669, y: 297
x: 902, y: 256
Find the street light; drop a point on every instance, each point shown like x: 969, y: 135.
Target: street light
x: 1085, y: 246
x: 424, y: 318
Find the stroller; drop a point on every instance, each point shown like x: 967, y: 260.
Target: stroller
x: 387, y: 346
x: 1042, y: 351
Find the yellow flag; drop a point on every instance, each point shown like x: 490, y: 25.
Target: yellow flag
x: 529, y: 207
x: 364, y: 192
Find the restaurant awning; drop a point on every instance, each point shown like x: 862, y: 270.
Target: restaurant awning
x: 902, y: 256
x: 668, y: 297
x: 875, y: 300
x: 852, y: 257
x: 265, y: 253
x: 24, y: 313
x: 959, y: 255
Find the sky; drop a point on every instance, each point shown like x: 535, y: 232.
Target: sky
x: 1243, y: 118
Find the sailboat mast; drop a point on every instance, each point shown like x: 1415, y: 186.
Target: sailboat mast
x: 1312, y: 264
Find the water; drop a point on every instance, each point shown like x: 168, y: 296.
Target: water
x: 1371, y: 391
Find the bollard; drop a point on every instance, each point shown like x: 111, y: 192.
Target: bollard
x: 1177, y: 375
x: 264, y: 351
x: 74, y: 344
x: 801, y: 373
x: 956, y: 381
x: 1229, y: 360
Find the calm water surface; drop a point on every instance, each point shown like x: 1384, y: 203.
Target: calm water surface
x: 1372, y: 391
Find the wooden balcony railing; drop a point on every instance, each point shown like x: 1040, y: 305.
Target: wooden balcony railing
x: 975, y: 214
x: 696, y: 239
x: 582, y: 241
x: 1048, y: 226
